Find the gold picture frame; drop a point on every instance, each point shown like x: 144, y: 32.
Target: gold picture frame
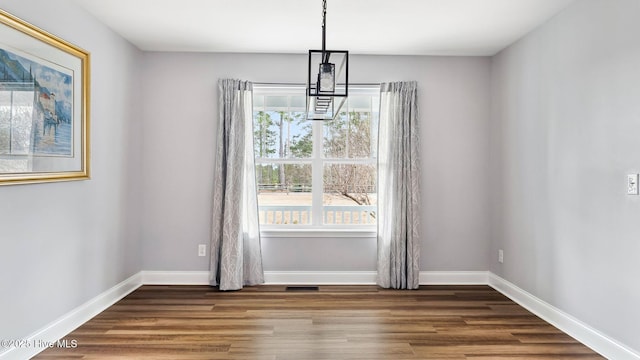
x: 44, y: 106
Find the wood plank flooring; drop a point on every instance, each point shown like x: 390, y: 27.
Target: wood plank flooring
x: 336, y: 322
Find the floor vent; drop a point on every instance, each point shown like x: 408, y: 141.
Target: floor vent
x: 302, y: 288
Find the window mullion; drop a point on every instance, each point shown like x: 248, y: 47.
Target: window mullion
x: 317, y: 174
x: 351, y: 161
x: 283, y: 161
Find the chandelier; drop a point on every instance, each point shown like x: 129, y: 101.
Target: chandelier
x: 327, y: 80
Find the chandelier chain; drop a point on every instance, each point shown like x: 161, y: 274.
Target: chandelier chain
x: 324, y: 12
x: 324, y: 27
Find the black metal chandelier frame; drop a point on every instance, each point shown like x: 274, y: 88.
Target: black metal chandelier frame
x: 328, y: 88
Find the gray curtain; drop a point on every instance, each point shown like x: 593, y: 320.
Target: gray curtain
x: 398, y: 187
x: 236, y: 257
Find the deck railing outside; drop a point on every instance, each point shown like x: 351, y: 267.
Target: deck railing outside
x: 331, y: 214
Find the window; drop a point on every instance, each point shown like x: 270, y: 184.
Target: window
x: 315, y: 174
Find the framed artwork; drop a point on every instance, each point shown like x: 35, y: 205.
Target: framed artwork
x: 44, y: 106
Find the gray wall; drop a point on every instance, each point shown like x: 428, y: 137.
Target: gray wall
x: 565, y: 132
x: 180, y: 104
x: 61, y: 244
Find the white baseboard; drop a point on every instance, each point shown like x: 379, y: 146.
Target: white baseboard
x: 369, y: 277
x: 320, y: 277
x: 64, y: 325
x: 317, y: 277
x: 271, y: 277
x: 51, y: 333
x: 175, y: 277
x: 582, y: 332
x: 454, y: 277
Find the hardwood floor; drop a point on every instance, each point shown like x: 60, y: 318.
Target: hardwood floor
x: 336, y: 322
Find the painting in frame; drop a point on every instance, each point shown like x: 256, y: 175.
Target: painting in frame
x: 44, y: 105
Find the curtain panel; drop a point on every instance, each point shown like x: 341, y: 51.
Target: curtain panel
x: 236, y: 256
x: 398, y: 187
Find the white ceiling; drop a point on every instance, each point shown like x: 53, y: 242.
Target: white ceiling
x: 399, y: 27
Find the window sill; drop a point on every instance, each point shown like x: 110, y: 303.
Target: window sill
x: 319, y: 233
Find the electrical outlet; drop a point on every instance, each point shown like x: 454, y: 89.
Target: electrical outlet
x: 632, y: 184
x: 500, y: 256
x: 202, y: 250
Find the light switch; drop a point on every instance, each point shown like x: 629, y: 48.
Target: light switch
x: 632, y: 184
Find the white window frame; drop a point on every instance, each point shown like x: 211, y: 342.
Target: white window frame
x: 317, y: 161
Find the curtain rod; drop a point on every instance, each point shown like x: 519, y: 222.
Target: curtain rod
x: 303, y: 84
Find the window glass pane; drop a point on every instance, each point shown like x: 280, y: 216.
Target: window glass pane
x: 359, y: 141
x: 258, y: 102
x: 277, y: 102
x: 375, y: 120
x: 335, y: 137
x: 284, y: 194
x: 298, y: 103
x: 351, y: 135
x: 360, y: 103
x: 297, y: 135
x: 349, y: 194
x: 282, y: 134
x: 278, y: 128
x: 265, y: 132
